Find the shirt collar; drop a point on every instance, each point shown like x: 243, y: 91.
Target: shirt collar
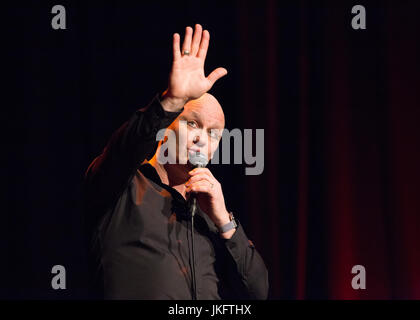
x: 180, y: 205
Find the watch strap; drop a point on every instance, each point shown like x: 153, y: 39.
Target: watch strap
x: 230, y: 225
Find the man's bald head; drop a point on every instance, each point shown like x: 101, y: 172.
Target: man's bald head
x: 209, y: 108
x: 198, y: 128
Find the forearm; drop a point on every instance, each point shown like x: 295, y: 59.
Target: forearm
x: 127, y: 149
x: 249, y: 265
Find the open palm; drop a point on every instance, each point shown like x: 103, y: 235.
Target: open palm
x: 187, y: 79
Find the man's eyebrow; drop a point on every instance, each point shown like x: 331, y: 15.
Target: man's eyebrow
x: 197, y: 115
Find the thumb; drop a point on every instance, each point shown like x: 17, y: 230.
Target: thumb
x: 216, y: 75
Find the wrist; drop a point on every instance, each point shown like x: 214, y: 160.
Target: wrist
x: 223, y: 219
x: 226, y: 230
x: 171, y: 103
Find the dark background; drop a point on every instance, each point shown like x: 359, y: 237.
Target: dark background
x: 340, y: 109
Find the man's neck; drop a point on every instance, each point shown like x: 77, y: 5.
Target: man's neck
x: 174, y: 175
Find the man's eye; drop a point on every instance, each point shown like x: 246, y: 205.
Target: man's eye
x: 214, y: 134
x: 192, y: 124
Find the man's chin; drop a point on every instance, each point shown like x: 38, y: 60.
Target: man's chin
x: 185, y: 162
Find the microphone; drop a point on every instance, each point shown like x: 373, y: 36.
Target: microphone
x: 198, y: 160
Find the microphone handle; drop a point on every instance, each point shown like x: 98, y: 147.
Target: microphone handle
x: 193, y: 199
x: 193, y: 205
x: 193, y: 209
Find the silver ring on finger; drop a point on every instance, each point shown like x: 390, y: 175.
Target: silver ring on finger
x: 186, y: 52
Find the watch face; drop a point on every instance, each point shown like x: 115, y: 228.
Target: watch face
x: 234, y: 223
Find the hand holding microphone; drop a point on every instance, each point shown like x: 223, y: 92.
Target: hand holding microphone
x: 198, y: 160
x: 206, y: 190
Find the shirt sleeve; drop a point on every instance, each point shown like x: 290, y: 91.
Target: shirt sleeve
x: 110, y: 172
x: 245, y: 270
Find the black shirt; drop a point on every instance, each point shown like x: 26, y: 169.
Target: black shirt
x: 139, y: 229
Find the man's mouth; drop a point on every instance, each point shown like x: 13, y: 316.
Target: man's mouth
x: 193, y: 151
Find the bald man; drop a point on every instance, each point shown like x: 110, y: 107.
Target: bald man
x: 143, y: 242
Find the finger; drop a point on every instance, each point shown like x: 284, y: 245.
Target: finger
x: 199, y: 170
x: 204, y: 45
x: 199, y: 187
x: 186, y: 45
x: 206, y: 171
x: 199, y: 177
x: 216, y: 75
x: 175, y: 46
x: 210, y: 185
x: 196, y: 40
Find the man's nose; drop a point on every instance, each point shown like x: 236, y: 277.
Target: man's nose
x: 199, y: 139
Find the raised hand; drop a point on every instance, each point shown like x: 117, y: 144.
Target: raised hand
x: 187, y: 80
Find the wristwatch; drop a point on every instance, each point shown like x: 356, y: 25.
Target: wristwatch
x: 230, y: 225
